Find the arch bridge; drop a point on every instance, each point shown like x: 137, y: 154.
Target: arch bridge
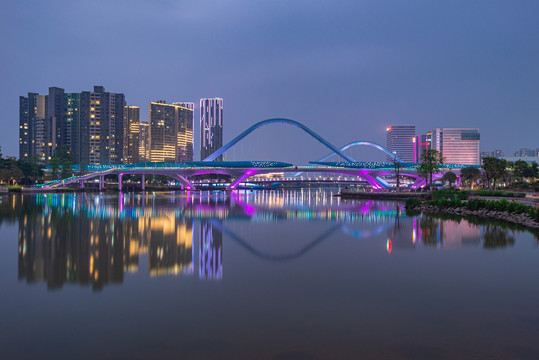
x: 241, y: 171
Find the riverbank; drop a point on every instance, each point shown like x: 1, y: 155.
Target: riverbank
x: 385, y: 195
x: 523, y: 219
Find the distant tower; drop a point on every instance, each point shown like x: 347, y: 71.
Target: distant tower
x: 400, y: 141
x: 211, y: 127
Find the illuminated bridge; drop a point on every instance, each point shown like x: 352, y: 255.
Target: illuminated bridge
x: 240, y: 171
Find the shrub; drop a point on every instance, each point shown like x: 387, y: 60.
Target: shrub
x: 463, y: 195
x: 502, y: 205
x: 520, y: 208
x: 490, y: 205
x: 412, y: 202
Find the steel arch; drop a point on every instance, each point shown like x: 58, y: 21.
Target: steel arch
x: 366, y: 143
x: 295, y: 123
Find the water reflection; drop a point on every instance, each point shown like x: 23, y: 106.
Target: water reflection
x: 95, y: 240
x: 210, y: 252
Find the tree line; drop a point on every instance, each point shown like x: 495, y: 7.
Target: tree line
x: 493, y: 171
x: 15, y: 171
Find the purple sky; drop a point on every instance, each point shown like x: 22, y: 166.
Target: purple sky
x: 346, y: 69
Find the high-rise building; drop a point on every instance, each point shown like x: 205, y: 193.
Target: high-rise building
x: 436, y: 140
x: 186, y: 135
x: 211, y: 127
x: 144, y: 146
x: 400, y: 141
x: 91, y: 124
x: 132, y: 135
x: 495, y: 153
x: 171, y: 134
x: 422, y: 143
x: 102, y: 127
x: 73, y: 135
x: 525, y: 152
x: 41, y: 124
x: 457, y: 146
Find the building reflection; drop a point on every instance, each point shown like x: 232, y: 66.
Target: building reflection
x: 447, y: 233
x: 210, y: 252
x: 59, y: 249
x: 170, y: 249
x: 95, y: 240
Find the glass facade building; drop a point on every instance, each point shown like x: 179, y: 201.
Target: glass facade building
x: 399, y: 140
x: 211, y: 127
x: 457, y: 145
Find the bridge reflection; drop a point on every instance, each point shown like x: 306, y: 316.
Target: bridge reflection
x: 95, y: 240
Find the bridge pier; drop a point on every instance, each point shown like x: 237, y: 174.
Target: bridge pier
x: 120, y: 182
x: 81, y: 184
x: 101, y: 182
x: 143, y: 182
x: 184, y: 182
x: 418, y: 183
x: 372, y: 181
x: 238, y: 179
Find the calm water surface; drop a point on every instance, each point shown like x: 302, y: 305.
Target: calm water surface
x: 259, y: 275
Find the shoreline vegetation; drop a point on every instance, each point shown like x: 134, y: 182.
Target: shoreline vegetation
x: 463, y: 203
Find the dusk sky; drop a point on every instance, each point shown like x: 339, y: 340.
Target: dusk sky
x: 346, y: 69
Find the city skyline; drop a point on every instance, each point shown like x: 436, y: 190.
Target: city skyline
x: 425, y: 63
x: 47, y: 122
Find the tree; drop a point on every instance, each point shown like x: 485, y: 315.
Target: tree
x: 55, y: 166
x: 470, y: 174
x: 32, y: 171
x: 535, y: 169
x: 493, y: 170
x: 431, y: 163
x: 520, y: 169
x: 397, y: 167
x: 11, y: 176
x: 64, y: 157
x: 66, y: 170
x: 450, y: 177
x: 63, y: 153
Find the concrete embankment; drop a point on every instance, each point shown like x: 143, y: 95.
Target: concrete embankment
x: 521, y: 219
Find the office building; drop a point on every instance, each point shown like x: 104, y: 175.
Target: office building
x: 436, y: 140
x: 422, y: 143
x: 457, y: 145
x: 171, y: 135
x: 132, y: 135
x: 399, y: 140
x: 211, y: 127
